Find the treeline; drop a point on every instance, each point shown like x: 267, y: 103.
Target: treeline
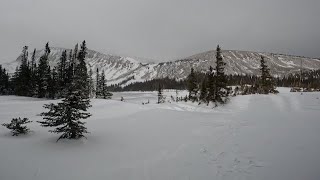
x: 214, y: 88
x: 151, y: 85
x: 4, y: 81
x: 168, y: 83
x: 40, y: 80
x: 309, y: 80
x: 214, y: 85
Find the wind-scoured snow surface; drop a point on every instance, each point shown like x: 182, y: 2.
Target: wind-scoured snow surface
x: 258, y: 137
x: 121, y: 70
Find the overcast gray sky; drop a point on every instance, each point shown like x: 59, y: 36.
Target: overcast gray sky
x: 161, y: 29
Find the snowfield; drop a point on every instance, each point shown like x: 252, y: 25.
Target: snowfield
x: 258, y: 137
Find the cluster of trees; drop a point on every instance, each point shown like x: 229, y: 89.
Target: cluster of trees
x: 4, y: 81
x: 43, y: 81
x: 308, y: 80
x: 213, y: 87
x: 65, y: 116
x: 263, y: 84
x: 71, y: 81
x: 150, y: 85
x: 40, y: 80
x: 102, y: 91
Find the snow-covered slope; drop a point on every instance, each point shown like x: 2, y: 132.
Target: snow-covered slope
x: 120, y: 69
x: 254, y: 137
x: 117, y: 68
x: 245, y: 62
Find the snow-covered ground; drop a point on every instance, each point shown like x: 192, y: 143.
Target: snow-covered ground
x: 258, y: 137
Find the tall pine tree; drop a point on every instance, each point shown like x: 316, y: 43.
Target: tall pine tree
x: 266, y: 82
x: 203, y: 91
x: 211, y: 86
x: 81, y: 72
x: 22, y: 86
x: 221, y: 90
x: 67, y: 115
x: 43, y: 73
x: 33, y: 79
x: 4, y: 81
x: 91, y: 90
x: 98, y: 85
x: 104, y: 92
x: 53, y: 84
x: 33, y: 61
x: 69, y: 69
x: 62, y: 74
x: 192, y: 86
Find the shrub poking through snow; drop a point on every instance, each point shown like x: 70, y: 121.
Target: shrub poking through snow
x: 16, y: 126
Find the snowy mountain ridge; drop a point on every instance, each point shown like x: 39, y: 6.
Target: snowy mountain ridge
x: 124, y: 70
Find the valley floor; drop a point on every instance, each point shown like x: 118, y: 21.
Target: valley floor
x: 258, y: 137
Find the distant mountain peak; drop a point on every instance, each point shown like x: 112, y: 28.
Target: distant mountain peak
x: 125, y: 70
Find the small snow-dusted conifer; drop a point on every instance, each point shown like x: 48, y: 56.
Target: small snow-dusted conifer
x: 160, y: 95
x: 16, y: 126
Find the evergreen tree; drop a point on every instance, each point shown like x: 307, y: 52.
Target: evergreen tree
x: 33, y: 71
x: 43, y: 73
x: 211, y: 86
x: 203, y: 91
x: 192, y: 86
x: 266, y: 83
x: 221, y: 90
x: 16, y: 126
x: 104, y: 93
x: 91, y: 90
x: 62, y: 67
x: 98, y: 87
x: 4, y: 81
x: 14, y: 80
x: 69, y: 69
x: 23, y: 78
x: 62, y: 74
x: 53, y: 84
x: 75, y: 56
x: 160, y: 95
x: 67, y: 115
x: 81, y: 72
x: 33, y: 61
x: 73, y: 60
